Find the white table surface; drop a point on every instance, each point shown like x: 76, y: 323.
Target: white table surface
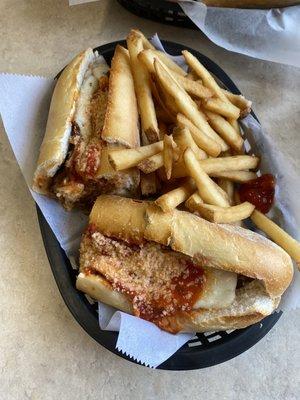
x: 44, y: 353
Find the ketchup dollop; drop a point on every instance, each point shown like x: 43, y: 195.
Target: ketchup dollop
x: 259, y: 192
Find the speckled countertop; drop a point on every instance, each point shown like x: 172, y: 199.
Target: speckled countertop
x: 44, y: 353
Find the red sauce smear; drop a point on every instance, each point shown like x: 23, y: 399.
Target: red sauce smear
x: 92, y: 162
x: 260, y: 192
x: 177, y: 299
x: 184, y: 293
x: 91, y: 228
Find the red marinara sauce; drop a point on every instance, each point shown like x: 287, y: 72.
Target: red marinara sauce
x: 260, y: 192
x: 185, y: 290
x: 92, y: 160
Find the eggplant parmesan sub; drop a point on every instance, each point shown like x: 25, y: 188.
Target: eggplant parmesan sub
x: 87, y: 118
x: 177, y: 270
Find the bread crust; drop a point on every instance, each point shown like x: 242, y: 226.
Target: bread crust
x: 121, y: 119
x: 124, y: 220
x: 250, y: 306
x: 227, y: 247
x: 62, y: 114
x: 224, y: 247
x: 55, y: 144
x: 99, y: 288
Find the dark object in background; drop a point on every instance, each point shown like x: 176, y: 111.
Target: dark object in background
x: 171, y: 13
x: 160, y: 11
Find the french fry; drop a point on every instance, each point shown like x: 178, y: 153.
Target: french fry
x: 204, y: 142
x: 127, y: 158
x: 225, y: 130
x: 226, y: 215
x: 194, y: 88
x: 218, y: 106
x: 167, y: 202
x: 146, y: 43
x: 184, y: 103
x: 193, y: 201
x: 142, y: 86
x: 215, y: 165
x: 221, y: 191
x: 235, y: 176
x: 232, y: 163
x: 277, y: 234
x: 193, y: 76
x: 162, y: 112
x: 148, y: 184
x: 165, y: 59
x: 204, y: 74
x: 208, y: 81
x: 234, y: 123
x: 207, y: 188
x: 152, y: 163
x: 183, y: 139
x: 168, y: 155
x: 166, y: 100
x: 239, y: 101
x: 228, y: 187
x: 148, y: 56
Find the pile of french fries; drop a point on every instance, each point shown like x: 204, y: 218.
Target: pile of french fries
x: 191, y: 141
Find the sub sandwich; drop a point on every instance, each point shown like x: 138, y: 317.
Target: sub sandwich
x: 87, y: 118
x: 177, y: 270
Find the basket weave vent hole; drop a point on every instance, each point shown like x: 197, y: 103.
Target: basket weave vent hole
x: 194, y: 344
x: 213, y: 338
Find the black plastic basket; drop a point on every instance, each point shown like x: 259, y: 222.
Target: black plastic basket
x: 206, y: 349
x: 160, y: 11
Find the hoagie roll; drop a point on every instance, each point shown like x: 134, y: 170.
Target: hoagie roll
x: 178, y: 270
x: 81, y: 127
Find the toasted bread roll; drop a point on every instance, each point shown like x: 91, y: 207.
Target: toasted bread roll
x: 226, y: 247
x: 121, y: 119
x: 58, y: 130
x: 250, y: 306
x: 140, y: 250
x: 73, y: 165
x: 99, y: 288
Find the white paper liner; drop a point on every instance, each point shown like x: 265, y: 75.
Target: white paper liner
x: 271, y: 35
x: 24, y: 104
x: 139, y: 339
